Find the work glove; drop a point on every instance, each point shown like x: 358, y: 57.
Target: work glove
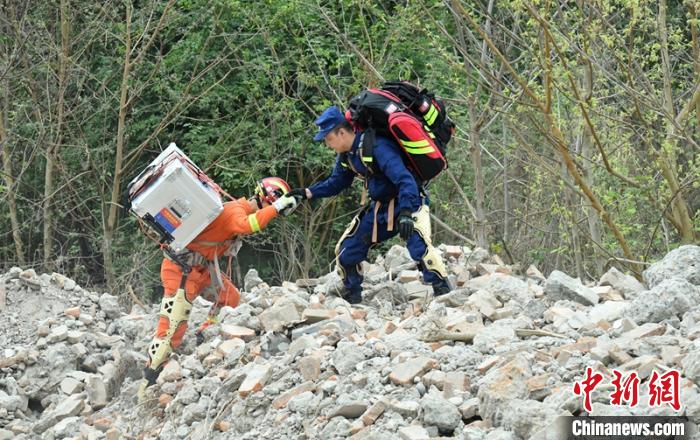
x: 298, y: 193
x: 405, y: 224
x: 285, y: 204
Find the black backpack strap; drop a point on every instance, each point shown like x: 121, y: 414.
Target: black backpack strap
x: 369, y: 139
x: 343, y: 158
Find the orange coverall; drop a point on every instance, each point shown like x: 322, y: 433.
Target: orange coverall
x: 237, y: 218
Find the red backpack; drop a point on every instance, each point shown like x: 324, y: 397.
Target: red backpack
x: 415, y: 118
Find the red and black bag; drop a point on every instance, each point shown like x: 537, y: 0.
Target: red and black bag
x: 415, y: 118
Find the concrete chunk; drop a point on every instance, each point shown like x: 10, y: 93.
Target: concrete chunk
x: 229, y: 331
x: 277, y: 317
x: 405, y: 372
x: 255, y: 379
x: 561, y: 286
x: 413, y: 432
x: 316, y: 315
x: 71, y: 386
x: 284, y: 398
x: 645, y: 330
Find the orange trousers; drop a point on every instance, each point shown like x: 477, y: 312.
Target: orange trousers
x: 198, y: 279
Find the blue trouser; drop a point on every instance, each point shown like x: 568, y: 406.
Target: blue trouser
x: 357, y: 241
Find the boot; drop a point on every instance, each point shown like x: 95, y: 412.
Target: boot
x: 441, y: 288
x: 352, y: 297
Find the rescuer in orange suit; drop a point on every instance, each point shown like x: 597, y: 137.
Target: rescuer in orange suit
x: 239, y: 217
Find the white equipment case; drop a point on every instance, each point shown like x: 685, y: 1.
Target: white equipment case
x: 175, y: 198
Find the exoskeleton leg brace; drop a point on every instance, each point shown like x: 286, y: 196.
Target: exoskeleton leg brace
x: 349, y: 232
x: 431, y: 259
x: 176, y: 311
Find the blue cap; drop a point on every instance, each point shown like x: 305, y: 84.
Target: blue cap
x: 329, y: 119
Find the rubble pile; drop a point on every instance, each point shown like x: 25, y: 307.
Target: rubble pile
x: 495, y: 359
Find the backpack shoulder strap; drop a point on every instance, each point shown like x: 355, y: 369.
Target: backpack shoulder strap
x: 367, y: 144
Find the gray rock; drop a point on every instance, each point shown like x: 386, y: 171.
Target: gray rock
x: 251, y: 280
x: 392, y: 292
x: 470, y: 433
x: 70, y: 407
x: 197, y: 411
x: 526, y: 417
x: 114, y: 373
x: 627, y: 285
x: 300, y: 344
x: 534, y: 309
x: 492, y: 336
x: 691, y: 365
x: 67, y: 427
x: 11, y: 403
x: 609, y: 311
x: 349, y: 408
x: 561, y: 286
x: 440, y: 412
x: 97, y: 392
x: 683, y: 262
x: 342, y: 324
x: 302, y: 403
x: 499, y: 434
x: 58, y: 334
x: 478, y: 255
x: 414, y: 432
x: 110, y: 305
x: 279, y: 316
x: 670, y: 298
x: 70, y: 385
x: 396, y: 257
x: 243, y: 315
x: 336, y: 428
x: 690, y: 398
x: 346, y: 357
x: 507, y: 288
x: 501, y: 385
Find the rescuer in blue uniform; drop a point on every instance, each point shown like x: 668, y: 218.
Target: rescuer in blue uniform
x: 396, y: 205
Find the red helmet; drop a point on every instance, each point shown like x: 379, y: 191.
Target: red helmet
x: 270, y: 189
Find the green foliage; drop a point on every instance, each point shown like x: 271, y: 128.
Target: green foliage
x: 238, y: 84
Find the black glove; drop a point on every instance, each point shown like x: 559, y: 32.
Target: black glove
x: 298, y: 193
x: 405, y: 224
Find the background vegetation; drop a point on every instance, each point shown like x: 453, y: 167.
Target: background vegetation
x: 578, y: 122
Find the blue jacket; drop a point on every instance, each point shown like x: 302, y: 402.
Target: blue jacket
x: 392, y: 179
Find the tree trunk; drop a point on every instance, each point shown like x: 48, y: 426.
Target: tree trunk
x: 9, y: 181
x: 696, y: 58
x: 595, y: 227
x: 475, y: 150
x: 506, y: 188
x: 52, y: 150
x: 111, y: 221
x: 666, y: 151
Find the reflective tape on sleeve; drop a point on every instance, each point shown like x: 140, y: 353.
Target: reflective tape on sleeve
x: 253, y: 222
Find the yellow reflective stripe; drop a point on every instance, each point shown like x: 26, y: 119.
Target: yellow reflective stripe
x: 343, y: 164
x: 431, y: 115
x: 415, y: 144
x: 420, y: 150
x: 253, y: 222
x: 367, y: 159
x: 430, y: 133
